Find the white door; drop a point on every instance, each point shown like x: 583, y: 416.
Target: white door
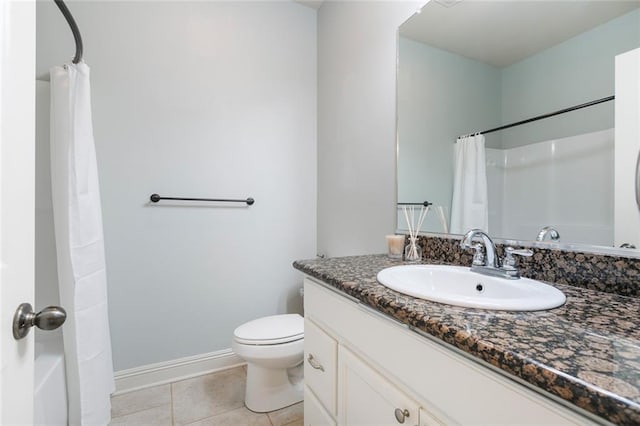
x: 17, y: 166
x: 627, y: 145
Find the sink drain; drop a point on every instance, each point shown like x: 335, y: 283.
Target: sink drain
x: 479, y: 287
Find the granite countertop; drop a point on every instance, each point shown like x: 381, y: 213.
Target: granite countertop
x: 586, y: 352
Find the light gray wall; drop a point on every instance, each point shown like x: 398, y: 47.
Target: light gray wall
x: 203, y: 99
x: 357, y: 43
x: 576, y: 71
x: 441, y: 96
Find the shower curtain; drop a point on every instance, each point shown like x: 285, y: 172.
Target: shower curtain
x: 469, y: 204
x: 80, y: 248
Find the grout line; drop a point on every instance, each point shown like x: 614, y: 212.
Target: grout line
x: 136, y: 412
x: 172, y: 405
x: 225, y: 412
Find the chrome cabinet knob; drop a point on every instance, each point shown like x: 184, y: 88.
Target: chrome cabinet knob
x: 401, y: 415
x: 49, y: 318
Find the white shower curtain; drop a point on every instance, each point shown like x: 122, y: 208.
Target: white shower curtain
x: 80, y: 248
x: 469, y: 205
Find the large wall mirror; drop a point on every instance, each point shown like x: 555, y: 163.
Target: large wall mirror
x: 466, y: 66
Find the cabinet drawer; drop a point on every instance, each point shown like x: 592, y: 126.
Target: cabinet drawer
x: 314, y: 413
x: 367, y: 398
x: 320, y: 360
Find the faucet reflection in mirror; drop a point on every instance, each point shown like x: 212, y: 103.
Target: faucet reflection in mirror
x: 548, y: 231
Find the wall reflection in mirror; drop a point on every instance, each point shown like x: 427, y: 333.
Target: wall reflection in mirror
x: 469, y: 66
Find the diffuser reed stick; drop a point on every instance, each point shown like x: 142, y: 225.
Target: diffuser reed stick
x: 412, y: 251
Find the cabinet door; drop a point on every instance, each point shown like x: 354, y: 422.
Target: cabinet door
x: 366, y: 398
x: 320, y: 364
x: 314, y: 412
x: 428, y: 419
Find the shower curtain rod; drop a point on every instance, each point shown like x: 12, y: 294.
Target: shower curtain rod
x: 551, y: 114
x: 74, y: 29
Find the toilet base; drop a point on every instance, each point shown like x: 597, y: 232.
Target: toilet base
x: 271, y: 389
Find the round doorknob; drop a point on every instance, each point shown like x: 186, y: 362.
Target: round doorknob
x: 49, y: 318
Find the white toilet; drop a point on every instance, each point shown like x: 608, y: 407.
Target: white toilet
x: 274, y: 350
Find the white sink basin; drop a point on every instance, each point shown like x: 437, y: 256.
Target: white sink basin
x: 456, y: 285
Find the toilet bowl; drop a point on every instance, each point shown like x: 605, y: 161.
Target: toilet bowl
x: 274, y: 349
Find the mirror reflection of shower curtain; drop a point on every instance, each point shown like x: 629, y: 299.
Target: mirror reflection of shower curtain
x: 80, y: 248
x: 469, y: 204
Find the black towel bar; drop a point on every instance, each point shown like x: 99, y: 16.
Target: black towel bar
x: 424, y: 203
x: 155, y: 198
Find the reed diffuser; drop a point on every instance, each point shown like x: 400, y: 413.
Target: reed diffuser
x: 413, y: 252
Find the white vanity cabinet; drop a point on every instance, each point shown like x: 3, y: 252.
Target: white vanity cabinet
x: 320, y: 369
x: 374, y: 369
x: 428, y: 419
x: 367, y: 398
x: 314, y: 411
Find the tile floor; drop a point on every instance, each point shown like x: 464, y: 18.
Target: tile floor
x: 214, y: 399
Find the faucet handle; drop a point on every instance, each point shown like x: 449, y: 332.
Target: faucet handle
x: 478, y: 255
x: 509, y: 262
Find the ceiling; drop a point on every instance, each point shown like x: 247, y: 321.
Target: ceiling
x: 501, y: 33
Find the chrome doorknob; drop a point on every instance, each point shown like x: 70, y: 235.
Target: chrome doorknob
x: 49, y: 318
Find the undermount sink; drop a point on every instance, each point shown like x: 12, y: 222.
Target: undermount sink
x: 456, y: 285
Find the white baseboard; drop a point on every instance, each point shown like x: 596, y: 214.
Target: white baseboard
x: 171, y: 371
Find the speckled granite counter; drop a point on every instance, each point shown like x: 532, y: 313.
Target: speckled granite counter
x: 586, y: 352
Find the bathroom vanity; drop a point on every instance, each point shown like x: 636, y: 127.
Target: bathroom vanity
x: 375, y: 356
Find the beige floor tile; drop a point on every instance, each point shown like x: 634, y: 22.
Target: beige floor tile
x: 299, y: 422
x: 207, y: 396
x: 240, y: 416
x: 143, y: 399
x: 158, y: 416
x: 287, y: 415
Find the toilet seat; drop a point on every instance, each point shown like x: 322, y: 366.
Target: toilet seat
x: 272, y: 330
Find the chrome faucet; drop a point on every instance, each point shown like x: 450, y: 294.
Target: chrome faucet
x: 551, y: 232
x: 489, y: 248
x: 492, y: 265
